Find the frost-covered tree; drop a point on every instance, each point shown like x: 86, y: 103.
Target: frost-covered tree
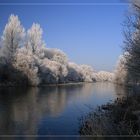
x: 59, y: 56
x: 74, y: 73
x: 55, y: 55
x: 52, y: 72
x: 25, y: 62
x: 121, y: 73
x: 87, y: 73
x: 132, y: 43
x: 12, y: 38
x: 53, y: 66
x: 35, y: 42
x: 103, y: 76
x: 31, y: 63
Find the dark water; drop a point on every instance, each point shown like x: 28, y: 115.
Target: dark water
x: 51, y: 110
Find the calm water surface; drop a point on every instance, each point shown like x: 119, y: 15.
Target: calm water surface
x: 51, y: 110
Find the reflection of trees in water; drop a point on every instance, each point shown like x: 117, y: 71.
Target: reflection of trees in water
x: 22, y: 109
x: 17, y: 111
x: 103, y: 88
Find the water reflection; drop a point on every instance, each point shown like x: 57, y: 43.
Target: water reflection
x: 50, y: 110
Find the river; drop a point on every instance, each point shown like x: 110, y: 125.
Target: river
x: 53, y: 110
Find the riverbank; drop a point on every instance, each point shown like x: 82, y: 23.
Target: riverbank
x: 63, y: 84
x: 121, y: 117
x: 42, y: 85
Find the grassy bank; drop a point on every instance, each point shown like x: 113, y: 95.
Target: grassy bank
x: 121, y: 117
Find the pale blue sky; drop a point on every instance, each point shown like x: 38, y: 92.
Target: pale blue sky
x: 88, y: 34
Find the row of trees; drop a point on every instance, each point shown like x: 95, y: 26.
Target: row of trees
x: 128, y: 68
x: 25, y: 59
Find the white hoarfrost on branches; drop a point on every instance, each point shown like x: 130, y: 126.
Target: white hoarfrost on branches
x: 74, y: 73
x: 121, y: 71
x: 87, y: 73
x: 12, y: 38
x: 55, y: 55
x: 26, y: 63
x: 34, y: 39
x: 38, y: 64
x: 104, y: 76
x: 59, y: 56
x: 52, y: 72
